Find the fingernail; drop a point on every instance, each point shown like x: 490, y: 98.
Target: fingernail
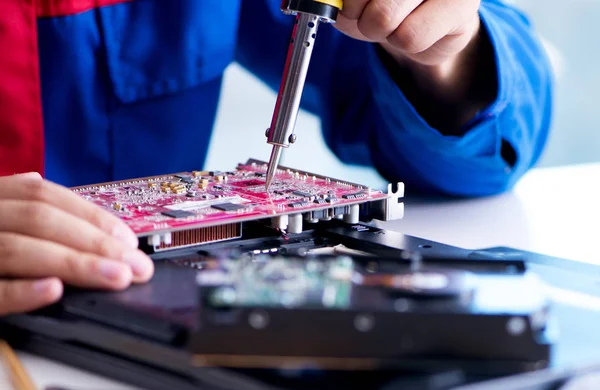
x: 49, y: 289
x: 30, y: 175
x: 125, y: 234
x: 140, y: 264
x: 44, y: 286
x: 111, y: 269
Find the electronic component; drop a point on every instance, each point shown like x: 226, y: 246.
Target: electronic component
x: 180, y: 202
x: 186, y: 238
x: 276, y: 311
x: 177, y: 213
x: 302, y: 194
x: 295, y: 223
x: 352, y: 216
x: 252, y: 303
x: 299, y: 205
x: 227, y: 206
x: 358, y: 195
x: 320, y: 214
x: 340, y: 210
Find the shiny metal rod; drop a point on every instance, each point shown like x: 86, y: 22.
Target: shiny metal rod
x: 273, y: 164
x: 281, y: 132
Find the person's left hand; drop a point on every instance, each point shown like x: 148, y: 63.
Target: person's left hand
x: 428, y: 32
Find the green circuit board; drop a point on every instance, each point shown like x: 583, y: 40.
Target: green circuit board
x: 280, y: 282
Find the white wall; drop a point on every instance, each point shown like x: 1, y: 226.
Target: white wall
x: 572, y: 29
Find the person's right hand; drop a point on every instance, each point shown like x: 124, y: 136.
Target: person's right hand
x: 49, y: 235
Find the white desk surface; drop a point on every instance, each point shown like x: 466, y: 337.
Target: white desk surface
x: 553, y: 211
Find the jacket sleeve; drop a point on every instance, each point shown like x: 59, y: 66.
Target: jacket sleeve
x: 367, y: 120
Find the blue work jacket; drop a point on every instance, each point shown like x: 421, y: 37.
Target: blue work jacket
x: 131, y: 89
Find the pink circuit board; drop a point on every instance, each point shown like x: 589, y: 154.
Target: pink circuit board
x: 198, y: 199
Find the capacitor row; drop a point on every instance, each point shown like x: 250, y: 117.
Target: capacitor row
x: 292, y: 223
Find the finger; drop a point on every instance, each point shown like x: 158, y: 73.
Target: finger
x: 26, y: 257
x: 350, y: 28
x: 430, y: 22
x: 443, y: 49
x: 353, y: 9
x: 21, y: 296
x: 382, y: 17
x: 30, y: 175
x: 43, y: 221
x: 29, y: 187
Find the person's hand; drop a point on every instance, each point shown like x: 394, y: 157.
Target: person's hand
x: 429, y: 32
x: 435, y: 50
x: 49, y: 235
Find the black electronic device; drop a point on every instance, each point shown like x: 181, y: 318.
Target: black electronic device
x: 344, y: 313
x: 163, y: 334
x: 296, y: 289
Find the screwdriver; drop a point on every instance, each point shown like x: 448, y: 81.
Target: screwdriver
x: 309, y: 14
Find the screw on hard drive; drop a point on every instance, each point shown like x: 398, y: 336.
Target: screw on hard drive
x: 402, y: 305
x: 258, y: 319
x: 364, y: 322
x: 516, y: 326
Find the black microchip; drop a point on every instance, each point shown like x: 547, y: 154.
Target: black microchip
x: 215, y: 173
x: 187, y: 180
x: 331, y: 200
x: 320, y: 201
x: 261, y: 175
x: 177, y: 213
x: 302, y: 194
x: 227, y: 206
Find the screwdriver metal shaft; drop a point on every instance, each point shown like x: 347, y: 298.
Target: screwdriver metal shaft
x: 281, y: 132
